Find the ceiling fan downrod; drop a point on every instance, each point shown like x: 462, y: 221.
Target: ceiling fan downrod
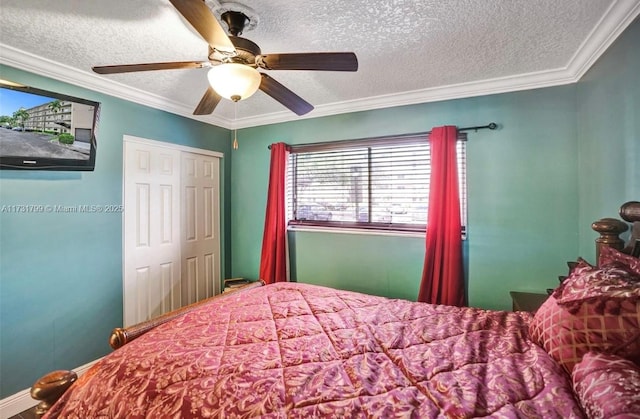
x: 235, y: 21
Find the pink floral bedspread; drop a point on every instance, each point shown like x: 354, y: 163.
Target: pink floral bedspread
x: 295, y: 350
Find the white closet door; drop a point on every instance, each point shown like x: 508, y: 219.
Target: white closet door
x: 200, y: 227
x: 171, y: 254
x: 151, y: 231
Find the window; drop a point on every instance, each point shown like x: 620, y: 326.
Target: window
x: 378, y: 183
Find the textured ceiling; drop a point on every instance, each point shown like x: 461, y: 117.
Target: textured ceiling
x: 409, y: 51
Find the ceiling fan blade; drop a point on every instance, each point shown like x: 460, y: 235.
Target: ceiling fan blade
x: 322, y: 61
x: 200, y: 17
x: 284, y: 95
x: 208, y: 102
x: 128, y: 68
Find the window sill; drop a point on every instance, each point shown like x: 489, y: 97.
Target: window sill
x: 366, y: 232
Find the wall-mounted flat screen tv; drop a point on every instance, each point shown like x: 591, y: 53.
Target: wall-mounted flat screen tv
x: 43, y: 130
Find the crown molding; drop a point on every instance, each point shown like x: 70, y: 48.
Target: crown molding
x: 615, y: 20
x: 456, y: 91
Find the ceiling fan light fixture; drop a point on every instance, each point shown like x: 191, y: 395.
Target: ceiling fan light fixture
x: 233, y: 80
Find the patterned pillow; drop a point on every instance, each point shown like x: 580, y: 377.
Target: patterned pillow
x: 592, y: 310
x: 607, y: 386
x: 612, y: 257
x: 606, y: 287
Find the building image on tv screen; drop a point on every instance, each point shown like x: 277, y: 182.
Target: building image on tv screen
x: 39, y: 126
x: 46, y: 130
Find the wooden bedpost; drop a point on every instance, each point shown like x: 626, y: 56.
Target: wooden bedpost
x: 610, y: 230
x: 49, y: 388
x: 630, y: 212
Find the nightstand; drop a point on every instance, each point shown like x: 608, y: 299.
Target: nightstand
x: 527, y: 301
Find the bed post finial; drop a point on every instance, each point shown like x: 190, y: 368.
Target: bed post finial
x: 630, y: 211
x: 610, y: 230
x: 49, y: 388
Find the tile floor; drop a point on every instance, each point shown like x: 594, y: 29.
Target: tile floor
x: 27, y: 414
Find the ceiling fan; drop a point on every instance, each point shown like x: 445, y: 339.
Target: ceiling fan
x: 235, y: 59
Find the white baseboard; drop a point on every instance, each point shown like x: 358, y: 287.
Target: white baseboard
x: 21, y: 401
x: 16, y: 403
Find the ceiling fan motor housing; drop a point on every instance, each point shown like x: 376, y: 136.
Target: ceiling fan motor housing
x: 246, y: 51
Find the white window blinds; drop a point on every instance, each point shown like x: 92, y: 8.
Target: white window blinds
x: 380, y: 183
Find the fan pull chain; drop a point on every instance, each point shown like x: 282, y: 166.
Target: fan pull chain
x: 235, y: 129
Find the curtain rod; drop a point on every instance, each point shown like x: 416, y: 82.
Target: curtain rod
x: 491, y: 126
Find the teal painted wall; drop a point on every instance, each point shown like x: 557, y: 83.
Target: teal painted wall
x: 523, y: 200
x: 61, y: 274
x: 609, y: 134
x: 563, y: 157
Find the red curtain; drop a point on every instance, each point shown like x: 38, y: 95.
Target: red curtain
x: 442, y: 276
x: 274, y: 261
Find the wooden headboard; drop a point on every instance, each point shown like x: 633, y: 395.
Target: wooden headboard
x: 611, y: 228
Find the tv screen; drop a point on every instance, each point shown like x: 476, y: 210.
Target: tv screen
x: 43, y: 130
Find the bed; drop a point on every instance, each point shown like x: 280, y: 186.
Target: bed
x: 297, y: 350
